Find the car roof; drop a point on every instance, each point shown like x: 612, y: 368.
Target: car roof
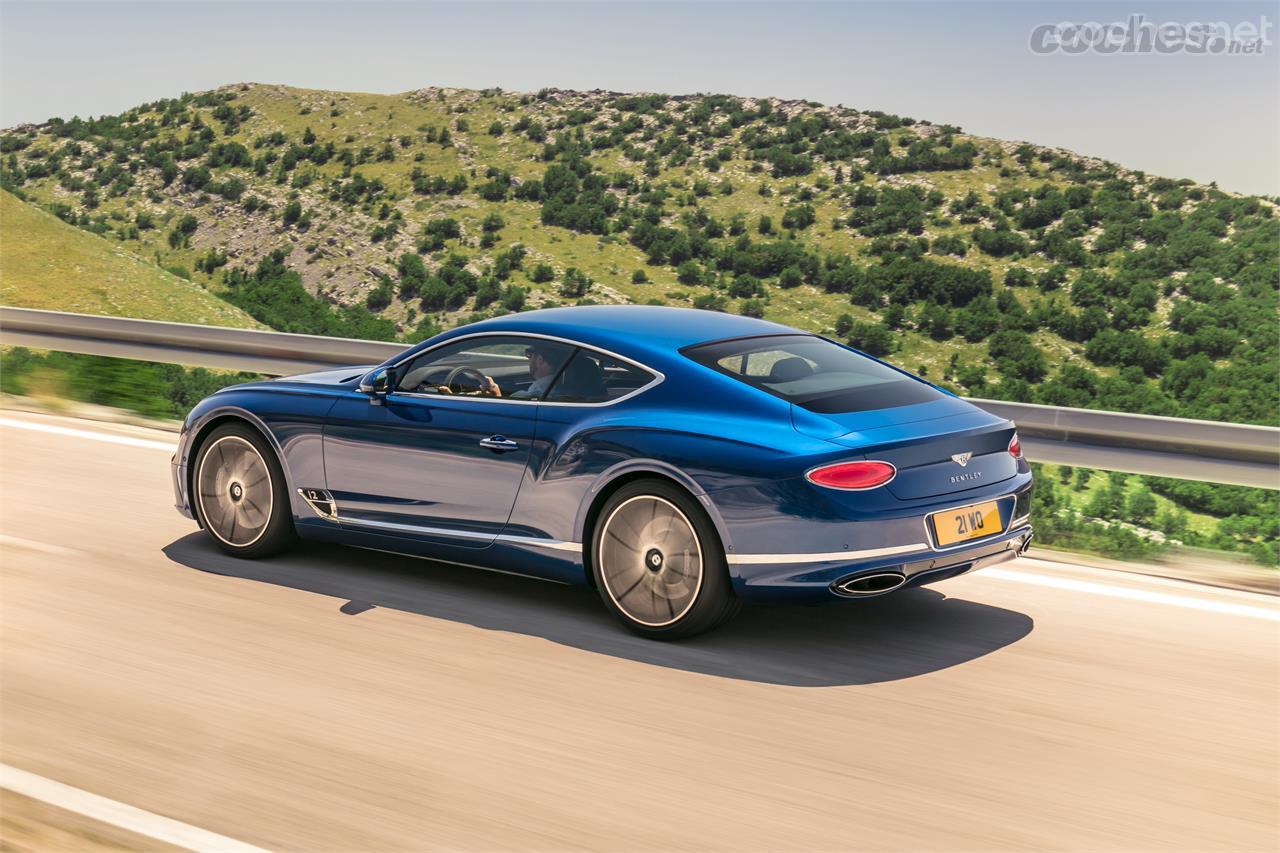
x: 632, y: 330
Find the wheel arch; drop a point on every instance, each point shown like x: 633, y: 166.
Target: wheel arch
x: 207, y: 426
x: 619, y: 476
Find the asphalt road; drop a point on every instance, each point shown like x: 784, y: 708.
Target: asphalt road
x: 337, y: 699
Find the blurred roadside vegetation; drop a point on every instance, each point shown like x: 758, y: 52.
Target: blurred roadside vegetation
x: 1131, y: 516
x: 145, y: 388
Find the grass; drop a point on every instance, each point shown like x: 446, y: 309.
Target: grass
x: 46, y: 263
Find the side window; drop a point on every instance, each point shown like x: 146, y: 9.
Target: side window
x: 508, y: 367
x: 592, y: 377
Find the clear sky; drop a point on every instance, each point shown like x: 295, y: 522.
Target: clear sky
x: 1212, y: 118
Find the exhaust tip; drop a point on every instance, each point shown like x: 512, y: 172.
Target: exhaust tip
x: 863, y: 586
x: 1026, y: 543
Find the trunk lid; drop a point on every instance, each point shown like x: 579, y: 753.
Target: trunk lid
x: 926, y: 442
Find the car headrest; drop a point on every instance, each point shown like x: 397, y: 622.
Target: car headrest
x: 790, y: 369
x: 583, y: 380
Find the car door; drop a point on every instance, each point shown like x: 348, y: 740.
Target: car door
x: 443, y: 454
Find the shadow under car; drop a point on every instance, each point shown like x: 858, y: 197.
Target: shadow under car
x: 901, y: 635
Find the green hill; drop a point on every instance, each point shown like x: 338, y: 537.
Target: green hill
x: 995, y: 268
x: 46, y: 263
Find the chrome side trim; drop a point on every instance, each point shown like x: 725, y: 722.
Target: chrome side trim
x: 658, y: 376
x: 553, y: 544
x: 832, y: 557
x: 414, y: 528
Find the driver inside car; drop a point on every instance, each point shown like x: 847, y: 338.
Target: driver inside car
x: 543, y: 364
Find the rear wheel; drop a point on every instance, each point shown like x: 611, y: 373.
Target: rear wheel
x: 240, y: 493
x: 659, y: 564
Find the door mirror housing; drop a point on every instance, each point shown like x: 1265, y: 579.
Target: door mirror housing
x: 378, y: 384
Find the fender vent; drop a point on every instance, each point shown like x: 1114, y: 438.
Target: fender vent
x: 321, y: 502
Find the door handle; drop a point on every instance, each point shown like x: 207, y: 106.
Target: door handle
x: 499, y: 443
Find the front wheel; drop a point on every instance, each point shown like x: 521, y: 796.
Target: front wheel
x: 240, y: 493
x: 658, y: 563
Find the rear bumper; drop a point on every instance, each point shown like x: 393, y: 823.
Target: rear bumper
x: 812, y: 577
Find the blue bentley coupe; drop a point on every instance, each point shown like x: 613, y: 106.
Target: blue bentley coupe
x: 679, y: 461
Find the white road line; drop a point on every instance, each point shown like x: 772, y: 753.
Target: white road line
x: 39, y: 547
x: 110, y: 438
x: 1146, y: 595
x: 119, y: 815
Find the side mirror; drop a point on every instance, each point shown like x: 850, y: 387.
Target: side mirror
x: 378, y: 384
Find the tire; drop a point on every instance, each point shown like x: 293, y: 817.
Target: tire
x: 652, y: 537
x: 239, y: 493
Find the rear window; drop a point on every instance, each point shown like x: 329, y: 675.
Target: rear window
x: 813, y: 373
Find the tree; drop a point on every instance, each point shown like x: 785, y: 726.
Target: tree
x: 710, y: 302
x: 871, y: 338
x: 799, y: 217
x: 689, y: 273
x: 292, y: 213
x: 935, y: 320
x: 380, y: 297
x: 1018, y: 277
x: 791, y: 277
x: 180, y: 236
x: 541, y: 273
x: 513, y: 298
x: 745, y: 286
x: 1016, y: 355
x: 1141, y: 506
x: 977, y: 320
x: 765, y: 225
x: 1109, y: 502
x: 413, y: 275
x: 575, y: 284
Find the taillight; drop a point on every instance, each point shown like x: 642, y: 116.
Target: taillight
x: 852, y: 476
x: 1015, y: 447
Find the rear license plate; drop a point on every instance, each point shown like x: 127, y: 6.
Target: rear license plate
x: 966, y: 522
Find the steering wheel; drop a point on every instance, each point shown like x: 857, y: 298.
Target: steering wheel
x: 476, y: 377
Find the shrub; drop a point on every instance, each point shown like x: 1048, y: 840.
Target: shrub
x: 575, y: 284
x: 871, y: 338
x: 380, y: 297
x: 689, y: 273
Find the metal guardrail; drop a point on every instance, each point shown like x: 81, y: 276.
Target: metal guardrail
x: 1212, y: 451
x: 1234, y: 454
x: 271, y: 353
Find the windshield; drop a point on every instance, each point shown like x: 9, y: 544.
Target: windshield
x: 813, y: 373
